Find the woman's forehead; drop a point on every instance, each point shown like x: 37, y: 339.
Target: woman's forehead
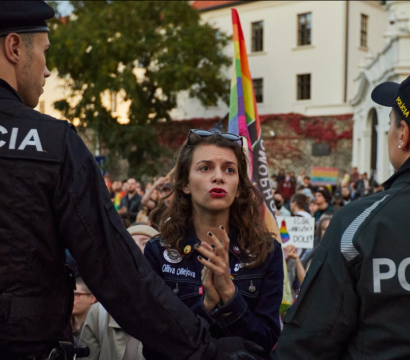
x: 212, y: 153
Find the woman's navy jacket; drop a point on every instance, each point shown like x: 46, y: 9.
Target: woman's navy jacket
x: 253, y: 312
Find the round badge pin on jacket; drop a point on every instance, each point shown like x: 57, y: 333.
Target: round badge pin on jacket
x: 172, y: 256
x: 187, y: 249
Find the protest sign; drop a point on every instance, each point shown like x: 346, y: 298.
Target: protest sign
x: 297, y: 231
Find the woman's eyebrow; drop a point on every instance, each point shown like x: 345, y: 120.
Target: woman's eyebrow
x: 211, y: 162
x: 205, y: 162
x: 230, y: 163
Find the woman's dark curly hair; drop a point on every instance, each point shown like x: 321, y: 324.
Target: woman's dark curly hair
x: 246, y: 212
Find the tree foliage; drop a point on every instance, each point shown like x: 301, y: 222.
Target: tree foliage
x: 102, y: 44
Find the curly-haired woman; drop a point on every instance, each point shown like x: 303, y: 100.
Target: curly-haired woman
x: 214, y: 250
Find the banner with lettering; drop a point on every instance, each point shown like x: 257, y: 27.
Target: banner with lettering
x: 297, y: 231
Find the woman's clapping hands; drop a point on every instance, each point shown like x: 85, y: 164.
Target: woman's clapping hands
x: 215, y: 275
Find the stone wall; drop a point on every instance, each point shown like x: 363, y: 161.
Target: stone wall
x: 288, y: 140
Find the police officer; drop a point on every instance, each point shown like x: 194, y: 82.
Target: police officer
x: 53, y: 197
x: 354, y: 302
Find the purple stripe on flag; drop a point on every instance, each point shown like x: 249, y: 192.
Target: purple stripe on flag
x: 233, y: 125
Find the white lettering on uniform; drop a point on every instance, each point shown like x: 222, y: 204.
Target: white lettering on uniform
x: 378, y: 276
x: 3, y: 131
x: 32, y: 139
x: 402, y: 274
x: 13, y: 138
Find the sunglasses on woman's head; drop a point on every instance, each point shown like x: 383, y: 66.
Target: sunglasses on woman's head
x: 206, y: 133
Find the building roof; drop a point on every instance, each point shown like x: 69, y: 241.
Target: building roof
x: 212, y: 5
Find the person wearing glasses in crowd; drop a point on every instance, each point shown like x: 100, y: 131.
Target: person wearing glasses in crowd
x: 214, y: 251
x: 83, y: 300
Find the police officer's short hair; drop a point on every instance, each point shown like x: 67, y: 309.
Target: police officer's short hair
x: 396, y: 117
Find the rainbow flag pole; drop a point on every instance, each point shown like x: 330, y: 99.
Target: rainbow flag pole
x: 244, y: 121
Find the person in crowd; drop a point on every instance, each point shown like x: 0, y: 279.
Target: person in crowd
x: 337, y: 202
x: 152, y: 196
x: 280, y: 205
x: 346, y: 195
x: 355, y: 174
x: 302, y: 262
x: 214, y: 250
x: 165, y: 190
x: 281, y: 175
x: 107, y: 180
x: 313, y: 206
x: 83, y: 300
x: 307, y: 192
x: 101, y: 333
x: 300, y: 178
x: 352, y: 189
x: 287, y: 188
x: 131, y: 203
x: 140, y: 188
x: 298, y: 204
x: 274, y: 182
x: 292, y: 178
x: 307, y: 184
x: 345, y: 179
x: 322, y: 197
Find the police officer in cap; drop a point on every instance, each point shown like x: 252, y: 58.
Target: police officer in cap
x: 54, y: 197
x: 354, y: 302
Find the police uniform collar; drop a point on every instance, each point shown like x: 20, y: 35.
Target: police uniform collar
x: 399, y: 177
x: 8, y: 92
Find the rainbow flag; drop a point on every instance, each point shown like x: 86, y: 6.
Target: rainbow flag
x: 324, y: 175
x: 244, y: 117
x: 244, y: 121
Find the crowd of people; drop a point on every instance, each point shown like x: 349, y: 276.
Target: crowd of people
x: 138, y: 203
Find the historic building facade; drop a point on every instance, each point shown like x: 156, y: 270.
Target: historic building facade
x: 392, y: 63
x: 308, y: 60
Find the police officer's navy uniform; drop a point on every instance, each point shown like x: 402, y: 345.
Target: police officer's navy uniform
x: 47, y: 205
x: 354, y: 302
x: 252, y: 313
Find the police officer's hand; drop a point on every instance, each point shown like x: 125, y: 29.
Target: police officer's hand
x: 233, y: 348
x: 211, y: 295
x: 218, y: 263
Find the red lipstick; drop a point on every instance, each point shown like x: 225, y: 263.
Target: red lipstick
x: 217, y: 193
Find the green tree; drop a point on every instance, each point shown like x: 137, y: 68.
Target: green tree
x: 104, y: 42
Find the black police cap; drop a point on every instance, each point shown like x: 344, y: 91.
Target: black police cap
x: 394, y: 95
x: 24, y: 17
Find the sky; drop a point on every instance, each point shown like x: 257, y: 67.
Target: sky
x: 65, y: 8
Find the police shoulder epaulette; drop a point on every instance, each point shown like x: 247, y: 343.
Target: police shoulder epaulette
x: 34, y: 137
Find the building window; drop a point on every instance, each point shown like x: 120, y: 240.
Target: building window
x: 257, y: 36
x: 43, y: 107
x: 304, y: 29
x: 258, y: 87
x: 304, y: 87
x: 363, y: 31
x: 113, y: 101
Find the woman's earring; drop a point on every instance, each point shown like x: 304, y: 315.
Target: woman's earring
x: 399, y: 146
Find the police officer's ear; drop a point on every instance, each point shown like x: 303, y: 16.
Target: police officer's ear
x: 13, y: 48
x: 404, y: 136
x: 186, y: 189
